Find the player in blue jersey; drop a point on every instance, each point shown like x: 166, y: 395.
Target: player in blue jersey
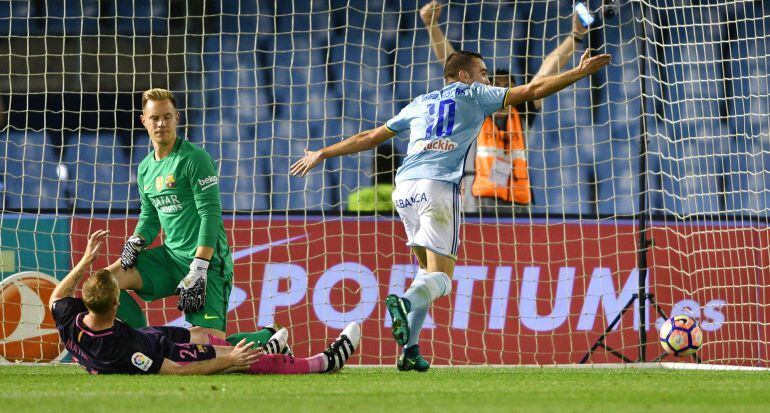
x: 103, y: 344
x: 441, y: 127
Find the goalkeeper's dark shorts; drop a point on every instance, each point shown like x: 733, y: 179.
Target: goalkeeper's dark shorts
x: 161, y: 272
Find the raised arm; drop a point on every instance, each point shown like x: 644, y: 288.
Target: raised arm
x: 541, y: 87
x: 560, y: 56
x: 359, y: 142
x: 430, y: 14
x: 66, y: 288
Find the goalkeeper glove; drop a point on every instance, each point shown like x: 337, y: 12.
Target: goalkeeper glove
x: 192, y: 288
x: 131, y: 249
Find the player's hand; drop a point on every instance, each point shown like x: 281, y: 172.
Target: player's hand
x: 577, y: 25
x: 308, y: 162
x: 242, y: 355
x: 192, y: 288
x: 93, y: 246
x: 131, y: 249
x: 592, y: 64
x: 430, y: 13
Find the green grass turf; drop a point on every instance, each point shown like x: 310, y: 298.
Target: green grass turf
x: 68, y: 389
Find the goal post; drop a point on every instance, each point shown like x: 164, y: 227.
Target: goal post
x: 259, y: 81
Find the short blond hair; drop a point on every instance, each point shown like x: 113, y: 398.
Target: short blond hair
x: 157, y: 94
x: 100, y: 292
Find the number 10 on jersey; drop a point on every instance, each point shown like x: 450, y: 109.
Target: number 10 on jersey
x: 445, y: 121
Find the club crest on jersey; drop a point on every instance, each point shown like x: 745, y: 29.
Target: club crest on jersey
x: 165, y: 182
x: 159, y: 183
x: 141, y: 361
x: 438, y: 145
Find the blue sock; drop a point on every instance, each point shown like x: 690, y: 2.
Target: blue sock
x: 416, y: 313
x: 416, y: 319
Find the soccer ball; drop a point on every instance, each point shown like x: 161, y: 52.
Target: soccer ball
x: 681, y: 336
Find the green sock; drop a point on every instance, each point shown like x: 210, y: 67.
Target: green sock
x: 130, y: 312
x: 258, y: 337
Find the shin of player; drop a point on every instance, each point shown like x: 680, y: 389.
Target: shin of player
x: 275, y: 361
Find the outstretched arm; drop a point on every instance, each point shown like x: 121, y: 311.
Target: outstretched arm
x: 66, y: 288
x: 430, y: 14
x: 229, y: 359
x: 359, y: 142
x: 541, y: 87
x: 559, y: 56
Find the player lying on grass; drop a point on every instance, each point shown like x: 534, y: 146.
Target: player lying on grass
x: 441, y: 126
x: 103, y: 344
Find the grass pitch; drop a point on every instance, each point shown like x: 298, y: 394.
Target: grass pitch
x: 68, y: 389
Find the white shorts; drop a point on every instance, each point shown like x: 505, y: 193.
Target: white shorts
x: 430, y: 211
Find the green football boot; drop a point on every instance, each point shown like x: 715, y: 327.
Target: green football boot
x: 398, y: 310
x: 412, y: 363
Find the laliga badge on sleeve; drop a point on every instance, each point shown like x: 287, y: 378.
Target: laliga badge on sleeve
x: 141, y: 361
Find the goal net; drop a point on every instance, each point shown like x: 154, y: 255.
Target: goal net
x: 259, y: 81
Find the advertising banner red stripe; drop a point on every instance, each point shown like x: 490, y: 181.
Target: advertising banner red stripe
x: 523, y: 293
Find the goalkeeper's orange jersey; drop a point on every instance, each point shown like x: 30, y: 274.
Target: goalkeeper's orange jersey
x: 180, y: 193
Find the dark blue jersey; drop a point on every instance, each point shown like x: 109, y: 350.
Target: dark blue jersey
x: 121, y: 349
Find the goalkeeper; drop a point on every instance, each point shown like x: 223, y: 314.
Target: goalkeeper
x: 179, y: 191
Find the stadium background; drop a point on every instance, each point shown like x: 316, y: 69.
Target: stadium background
x: 259, y: 81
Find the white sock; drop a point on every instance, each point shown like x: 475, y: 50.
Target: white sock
x: 416, y: 320
x: 427, y: 288
x: 416, y: 317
